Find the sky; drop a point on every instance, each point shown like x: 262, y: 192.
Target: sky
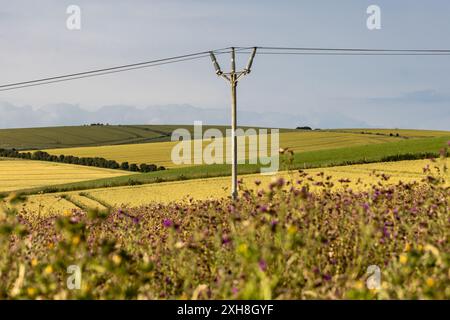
x: 282, y: 91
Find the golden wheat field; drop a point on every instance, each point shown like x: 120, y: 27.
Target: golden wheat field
x: 160, y: 152
x: 24, y: 174
x: 406, y: 171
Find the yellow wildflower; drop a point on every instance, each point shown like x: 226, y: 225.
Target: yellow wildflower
x: 116, y: 259
x: 292, y: 229
x: 430, y: 282
x: 242, y: 248
x: 75, y: 240
x: 48, y: 269
x: 407, y: 247
x: 31, y: 291
x: 359, y: 285
x: 403, y: 259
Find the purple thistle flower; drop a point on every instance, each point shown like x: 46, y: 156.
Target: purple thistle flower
x: 281, y: 182
x: 262, y: 265
x: 386, y: 233
x: 226, y: 239
x: 136, y: 220
x: 273, y: 225
x: 326, y: 277
x: 167, y: 223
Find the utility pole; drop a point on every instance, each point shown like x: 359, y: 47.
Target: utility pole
x: 233, y: 77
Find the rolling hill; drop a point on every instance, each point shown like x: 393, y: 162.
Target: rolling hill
x: 160, y: 152
x: 89, y: 135
x: 20, y: 174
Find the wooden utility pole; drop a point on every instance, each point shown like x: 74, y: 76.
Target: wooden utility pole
x: 233, y: 77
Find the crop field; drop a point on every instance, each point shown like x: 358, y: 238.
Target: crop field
x: 281, y: 242
x: 160, y: 153
x: 89, y: 135
x: 405, y: 133
x: 401, y: 149
x: 308, y: 232
x: 20, y: 174
x: 360, y: 177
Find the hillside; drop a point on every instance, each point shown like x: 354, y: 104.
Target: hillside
x: 369, y: 153
x: 89, y: 135
x: 160, y: 152
x: 20, y: 174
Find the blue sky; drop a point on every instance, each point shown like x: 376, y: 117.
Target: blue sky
x: 405, y: 92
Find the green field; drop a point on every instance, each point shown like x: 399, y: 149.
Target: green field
x: 405, y: 133
x: 77, y: 136
x: 311, y: 159
x: 160, y: 153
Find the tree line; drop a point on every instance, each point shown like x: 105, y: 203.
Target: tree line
x: 83, y: 161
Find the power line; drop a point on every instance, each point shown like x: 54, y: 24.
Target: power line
x: 349, y: 53
x: 57, y: 80
x: 263, y: 50
x: 104, y: 71
x: 356, y: 49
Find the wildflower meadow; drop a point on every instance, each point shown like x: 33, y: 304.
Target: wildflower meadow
x: 285, y: 240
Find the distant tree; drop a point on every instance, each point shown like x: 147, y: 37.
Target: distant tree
x: 134, y: 167
x: 147, y: 167
x: 84, y: 161
x: 304, y: 128
x: 124, y: 166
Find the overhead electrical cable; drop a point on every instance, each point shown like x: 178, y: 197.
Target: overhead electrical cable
x: 262, y: 50
x: 116, y: 69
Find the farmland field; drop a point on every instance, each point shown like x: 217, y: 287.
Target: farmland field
x: 278, y: 241
x: 405, y: 133
x: 19, y: 174
x: 160, y: 153
x: 95, y: 135
x: 308, y: 232
x: 375, y: 152
x: 213, y: 188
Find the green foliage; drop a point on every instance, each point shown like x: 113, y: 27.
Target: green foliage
x: 83, y: 161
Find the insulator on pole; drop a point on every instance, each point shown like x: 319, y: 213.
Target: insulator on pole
x: 250, y: 61
x: 233, y: 61
x: 215, y: 63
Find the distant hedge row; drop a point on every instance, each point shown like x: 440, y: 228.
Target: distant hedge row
x: 83, y: 161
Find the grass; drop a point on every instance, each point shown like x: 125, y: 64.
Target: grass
x: 20, y: 174
x: 76, y: 136
x: 160, y: 153
x: 311, y: 159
